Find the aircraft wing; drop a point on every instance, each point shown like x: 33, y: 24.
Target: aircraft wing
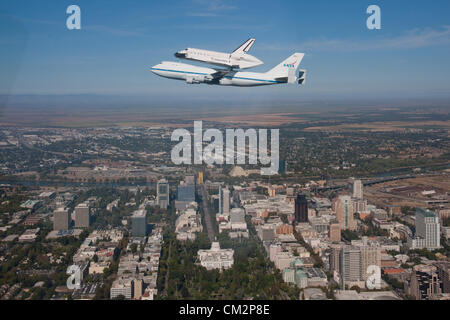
x: 245, y: 47
x: 220, y: 74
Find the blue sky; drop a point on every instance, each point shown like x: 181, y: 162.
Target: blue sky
x: 120, y: 40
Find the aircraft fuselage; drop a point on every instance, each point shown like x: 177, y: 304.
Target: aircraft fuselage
x: 195, y: 74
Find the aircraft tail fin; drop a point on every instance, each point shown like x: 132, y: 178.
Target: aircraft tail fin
x: 288, y: 68
x: 245, y: 47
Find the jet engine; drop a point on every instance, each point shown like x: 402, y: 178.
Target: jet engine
x: 198, y: 79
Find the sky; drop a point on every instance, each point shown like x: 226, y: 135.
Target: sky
x: 120, y: 40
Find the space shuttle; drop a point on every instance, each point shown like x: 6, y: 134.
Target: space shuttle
x: 285, y: 72
x: 238, y: 59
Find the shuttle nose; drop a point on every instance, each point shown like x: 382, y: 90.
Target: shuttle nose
x: 255, y: 60
x: 180, y: 54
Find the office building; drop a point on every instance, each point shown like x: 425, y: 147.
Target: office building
x: 443, y: 270
x: 427, y: 231
x: 82, y: 216
x: 237, y: 219
x: 359, y: 205
x: 344, y: 212
x: 424, y: 284
x: 139, y: 223
x: 122, y: 287
x: 162, y: 196
x: 350, y: 266
x: 61, y: 219
x: 335, y: 232
x: 356, y: 188
x: 370, y: 256
x: 186, y: 192
x: 334, y: 257
x: 224, y: 201
x: 301, y: 209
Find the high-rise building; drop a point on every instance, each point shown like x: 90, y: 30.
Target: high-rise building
x: 443, y: 270
x: 162, y: 195
x: 353, y: 262
x: 350, y: 265
x: 370, y: 256
x: 356, y: 188
x: 427, y: 231
x: 336, y: 249
x: 186, y: 192
x: 301, y: 209
x: 344, y: 212
x: 224, y: 201
x: 424, y: 285
x: 61, y: 219
x: 215, y: 201
x: 335, y: 232
x: 139, y: 223
x: 359, y: 205
x: 82, y: 216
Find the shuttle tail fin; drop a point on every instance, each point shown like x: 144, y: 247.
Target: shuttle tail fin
x: 287, y: 68
x: 244, y: 48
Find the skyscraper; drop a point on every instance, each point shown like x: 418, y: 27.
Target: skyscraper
x: 344, y: 212
x: 61, y: 219
x: 356, y: 188
x: 301, y: 209
x: 427, y: 231
x: 82, y: 216
x: 224, y: 201
x: 334, y: 259
x: 139, y: 223
x: 350, y: 265
x: 162, y: 196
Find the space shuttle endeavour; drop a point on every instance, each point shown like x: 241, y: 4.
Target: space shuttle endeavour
x: 238, y: 59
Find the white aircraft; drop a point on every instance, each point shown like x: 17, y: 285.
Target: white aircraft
x: 285, y: 72
x: 238, y: 59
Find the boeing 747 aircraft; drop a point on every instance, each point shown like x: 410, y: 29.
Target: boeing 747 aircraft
x: 238, y: 59
x: 285, y: 72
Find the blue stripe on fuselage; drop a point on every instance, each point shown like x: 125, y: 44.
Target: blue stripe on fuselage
x: 228, y: 77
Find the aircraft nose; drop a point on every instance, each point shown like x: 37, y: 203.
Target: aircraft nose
x: 155, y: 70
x: 180, y: 54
